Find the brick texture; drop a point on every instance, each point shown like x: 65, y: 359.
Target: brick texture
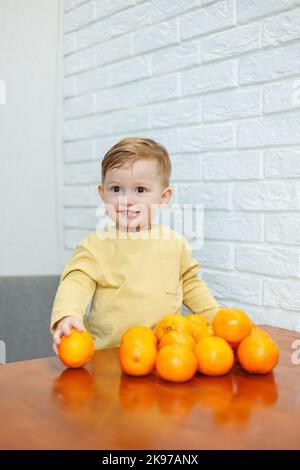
x: 218, y: 83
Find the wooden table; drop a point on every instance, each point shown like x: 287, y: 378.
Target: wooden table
x: 44, y: 406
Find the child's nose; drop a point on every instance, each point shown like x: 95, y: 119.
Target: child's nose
x: 127, y: 199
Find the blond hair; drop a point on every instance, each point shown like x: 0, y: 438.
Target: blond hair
x: 131, y: 149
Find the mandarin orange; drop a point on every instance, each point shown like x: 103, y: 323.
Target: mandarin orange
x: 77, y: 349
x: 137, y: 356
x: 214, y: 355
x: 176, y: 363
x: 142, y: 332
x: 177, y: 338
x: 258, y: 353
x: 173, y: 322
x: 231, y: 324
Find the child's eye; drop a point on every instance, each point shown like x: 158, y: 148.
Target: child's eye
x: 115, y: 189
x: 141, y: 189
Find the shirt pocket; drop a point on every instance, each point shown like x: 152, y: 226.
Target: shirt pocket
x: 170, y: 266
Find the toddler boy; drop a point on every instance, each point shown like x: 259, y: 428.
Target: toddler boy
x: 135, y: 272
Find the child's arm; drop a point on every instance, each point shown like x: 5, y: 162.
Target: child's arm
x: 196, y: 295
x: 77, y: 286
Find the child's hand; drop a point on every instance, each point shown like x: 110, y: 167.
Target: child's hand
x: 64, y: 327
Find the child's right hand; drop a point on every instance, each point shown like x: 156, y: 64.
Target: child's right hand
x: 64, y: 327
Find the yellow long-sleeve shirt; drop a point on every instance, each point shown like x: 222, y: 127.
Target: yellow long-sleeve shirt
x: 132, y: 281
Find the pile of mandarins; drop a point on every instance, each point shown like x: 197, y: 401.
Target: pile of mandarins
x: 181, y: 346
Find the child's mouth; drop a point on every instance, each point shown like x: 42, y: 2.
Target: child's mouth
x: 129, y: 213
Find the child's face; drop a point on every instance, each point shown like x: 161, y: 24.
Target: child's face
x: 132, y: 192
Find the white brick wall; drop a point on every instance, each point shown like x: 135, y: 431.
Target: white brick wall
x: 217, y: 83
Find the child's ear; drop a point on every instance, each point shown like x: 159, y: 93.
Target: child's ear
x: 166, y: 195
x: 101, y: 191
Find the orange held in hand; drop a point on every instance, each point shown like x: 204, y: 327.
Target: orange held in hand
x: 173, y: 322
x: 214, y: 355
x: 77, y: 349
x: 258, y: 353
x: 231, y: 324
x: 137, y: 356
x: 176, y: 363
